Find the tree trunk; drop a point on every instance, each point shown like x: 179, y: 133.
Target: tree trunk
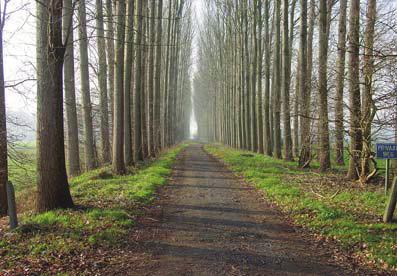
x: 247, y: 76
x: 3, y: 129
x: 368, y: 111
x: 305, y: 154
x: 260, y: 122
x: 110, y: 54
x: 286, y: 85
x: 52, y: 183
x: 129, y: 53
x: 167, y: 78
x: 266, y: 118
x: 118, y: 164
x: 70, y: 92
x: 354, y: 90
x: 157, y: 83
x: 151, y: 77
x: 254, y: 76
x: 102, y: 81
x: 144, y: 82
x: 85, y: 89
x: 325, y: 162
x: 296, y: 111
x: 277, y: 88
x: 340, y: 79
x: 138, y: 154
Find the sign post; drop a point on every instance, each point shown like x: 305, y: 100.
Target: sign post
x: 391, y: 204
x: 12, y: 210
x: 386, y: 151
x: 387, y: 176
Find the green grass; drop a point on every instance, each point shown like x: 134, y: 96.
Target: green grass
x: 352, y: 216
x: 107, y: 205
x: 22, y: 166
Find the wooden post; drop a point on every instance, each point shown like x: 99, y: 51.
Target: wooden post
x: 387, y: 176
x: 12, y: 210
x: 391, y: 205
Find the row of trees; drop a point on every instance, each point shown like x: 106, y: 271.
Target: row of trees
x: 135, y: 54
x: 273, y: 77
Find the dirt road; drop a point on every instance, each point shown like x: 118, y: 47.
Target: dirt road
x: 208, y: 223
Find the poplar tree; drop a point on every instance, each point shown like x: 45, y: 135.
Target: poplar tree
x: 3, y: 125
x: 325, y: 160
x: 340, y: 81
x: 138, y: 153
x: 354, y: 90
x: 128, y: 65
x: 89, y: 159
x: 73, y: 151
x: 286, y: 75
x: 102, y: 81
x: 52, y: 183
x: 277, y: 81
x: 118, y: 165
x: 157, y: 84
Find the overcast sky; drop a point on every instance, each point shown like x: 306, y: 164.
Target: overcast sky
x: 19, y: 54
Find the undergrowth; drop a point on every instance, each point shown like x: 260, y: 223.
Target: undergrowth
x: 351, y: 216
x: 106, y: 205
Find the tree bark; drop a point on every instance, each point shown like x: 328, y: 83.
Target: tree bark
x: 260, y: 122
x: 340, y: 79
x: 144, y: 82
x: 90, y: 162
x: 102, y: 81
x: 157, y: 83
x: 368, y: 110
x: 325, y: 162
x: 277, y: 88
x: 354, y: 90
x: 151, y: 78
x: 52, y: 183
x: 286, y: 85
x: 247, y: 76
x: 254, y: 76
x: 73, y: 156
x: 138, y: 154
x: 266, y: 118
x: 305, y: 154
x: 118, y: 164
x: 3, y: 128
x: 110, y: 55
x: 128, y: 65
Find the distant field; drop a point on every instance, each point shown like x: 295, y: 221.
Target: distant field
x: 22, y: 173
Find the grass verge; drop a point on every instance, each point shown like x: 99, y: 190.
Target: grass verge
x: 106, y: 208
x: 323, y: 203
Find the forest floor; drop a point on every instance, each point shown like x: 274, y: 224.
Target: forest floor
x: 222, y: 212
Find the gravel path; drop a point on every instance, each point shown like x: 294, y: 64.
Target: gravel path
x: 208, y: 223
